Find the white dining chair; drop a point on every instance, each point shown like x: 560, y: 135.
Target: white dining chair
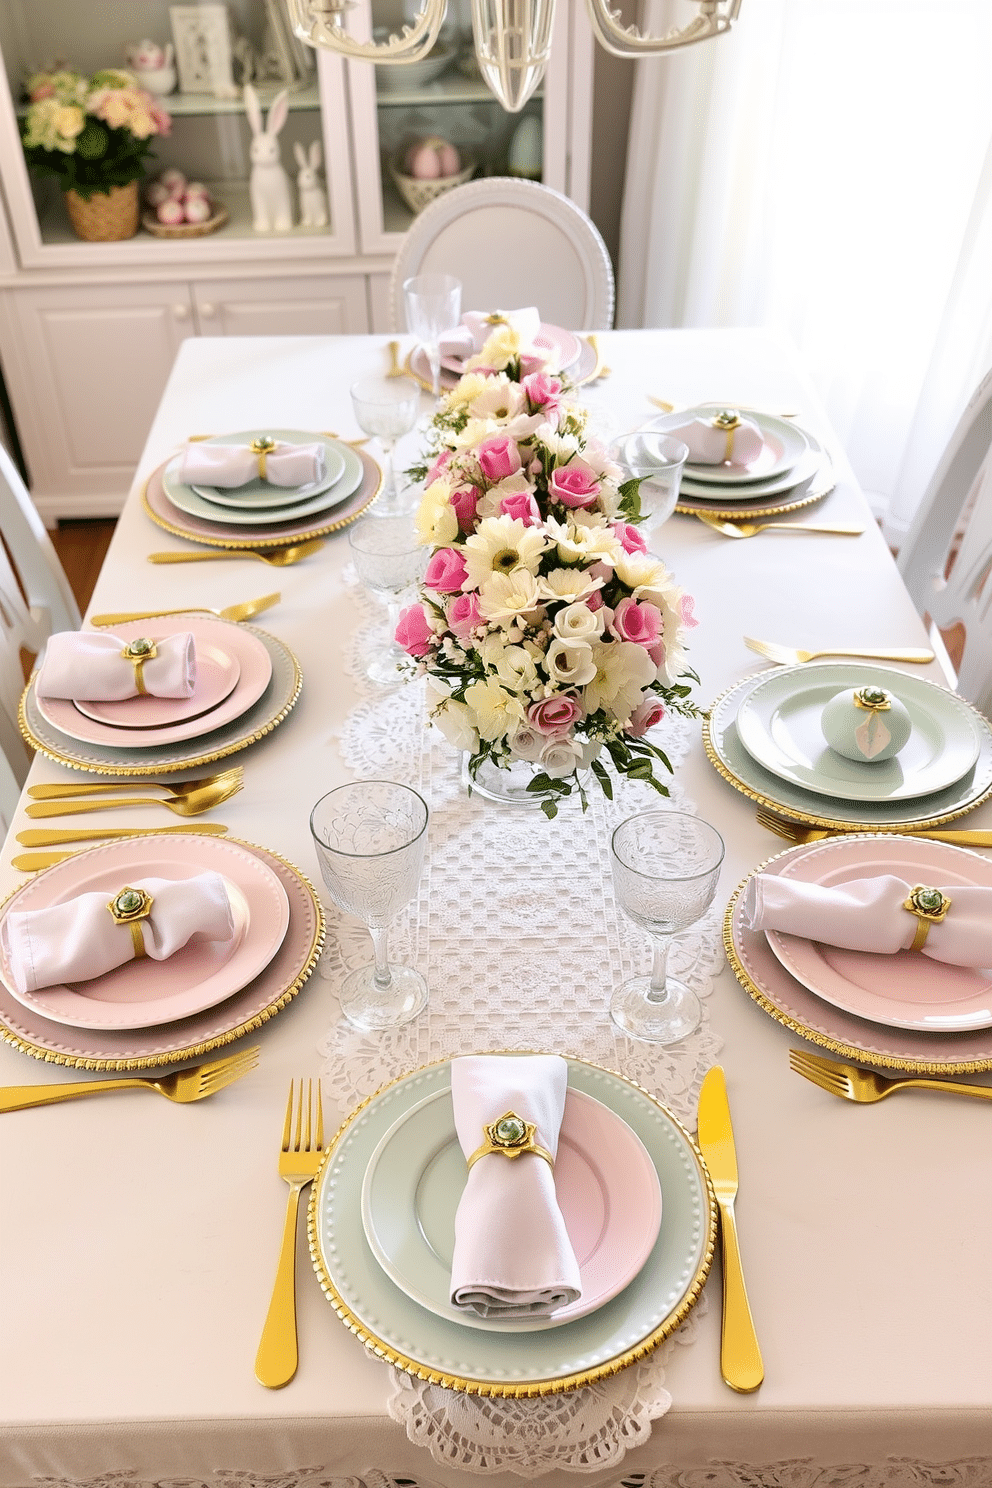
x: 35, y: 601
x: 511, y: 243
x: 946, y: 558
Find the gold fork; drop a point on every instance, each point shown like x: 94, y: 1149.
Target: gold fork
x: 749, y: 529
x: 796, y: 833
x: 61, y: 792
x: 183, y: 1087
x: 299, y: 1158
x: 204, y: 799
x: 866, y: 1086
x: 232, y: 612
x: 395, y: 368
x: 599, y: 371
x: 275, y: 557
x: 790, y: 656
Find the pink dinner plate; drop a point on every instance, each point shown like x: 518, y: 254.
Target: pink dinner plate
x: 217, y: 675
x: 606, y: 1184
x: 924, y: 1051
x: 255, y: 670
x: 244, y: 1011
x: 906, y: 990
x: 147, y: 993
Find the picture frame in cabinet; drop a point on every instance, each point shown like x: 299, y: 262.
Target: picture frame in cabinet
x: 204, y: 42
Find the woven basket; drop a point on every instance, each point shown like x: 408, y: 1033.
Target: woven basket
x: 184, y: 229
x: 419, y: 194
x: 108, y: 216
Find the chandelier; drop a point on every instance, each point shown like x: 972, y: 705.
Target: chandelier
x: 512, y: 37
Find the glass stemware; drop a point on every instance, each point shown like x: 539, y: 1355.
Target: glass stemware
x: 433, y: 305
x: 665, y: 870
x: 389, y: 559
x: 386, y: 407
x: 370, y: 838
x: 657, y: 461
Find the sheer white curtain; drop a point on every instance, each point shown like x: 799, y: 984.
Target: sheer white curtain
x: 827, y: 169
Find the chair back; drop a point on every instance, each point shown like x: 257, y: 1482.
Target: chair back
x: 511, y: 243
x: 946, y: 559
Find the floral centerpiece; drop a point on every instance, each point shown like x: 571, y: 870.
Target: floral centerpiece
x: 548, y: 632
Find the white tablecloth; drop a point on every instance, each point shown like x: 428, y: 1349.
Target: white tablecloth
x: 138, y: 1238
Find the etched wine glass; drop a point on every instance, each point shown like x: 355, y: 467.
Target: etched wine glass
x: 666, y: 865
x: 370, y: 838
x: 386, y: 407
x: 433, y: 305
x: 389, y: 559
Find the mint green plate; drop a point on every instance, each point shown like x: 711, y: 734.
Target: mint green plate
x: 396, y: 1328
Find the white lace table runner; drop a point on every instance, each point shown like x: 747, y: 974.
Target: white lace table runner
x: 520, y: 938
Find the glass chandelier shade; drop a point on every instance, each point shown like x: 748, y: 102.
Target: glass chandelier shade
x: 512, y: 37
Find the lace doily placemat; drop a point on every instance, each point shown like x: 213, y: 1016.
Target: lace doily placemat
x: 521, y: 940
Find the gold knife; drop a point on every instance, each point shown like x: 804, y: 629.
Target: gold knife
x: 34, y: 862
x: 53, y: 836
x: 740, y: 1356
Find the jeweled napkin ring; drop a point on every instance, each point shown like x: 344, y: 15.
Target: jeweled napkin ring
x: 729, y: 420
x: 137, y: 652
x: 930, y: 907
x: 510, y: 1136
x: 261, y: 447
x: 129, y: 907
x: 873, y: 699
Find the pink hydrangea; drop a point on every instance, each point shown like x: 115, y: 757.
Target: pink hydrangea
x: 498, y: 457
x: 446, y: 571
x: 413, y: 631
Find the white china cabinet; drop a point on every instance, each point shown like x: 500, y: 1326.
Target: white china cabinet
x: 89, y: 330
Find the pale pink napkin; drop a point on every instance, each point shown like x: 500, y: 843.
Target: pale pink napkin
x: 234, y: 465
x: 79, y: 940
x: 512, y: 1256
x: 708, y: 445
x: 475, y: 328
x: 87, y: 664
x: 866, y: 914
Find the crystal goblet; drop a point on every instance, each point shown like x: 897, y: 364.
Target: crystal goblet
x: 433, y: 305
x: 657, y: 461
x: 370, y: 838
x: 389, y: 559
x: 387, y: 408
x: 665, y: 870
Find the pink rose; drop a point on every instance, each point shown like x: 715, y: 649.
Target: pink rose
x: 629, y: 538
x: 650, y: 712
x: 554, y: 716
x: 542, y: 391
x: 686, y: 604
x: 634, y: 621
x: 446, y: 572
x: 463, y: 615
x: 594, y: 601
x: 574, y: 485
x: 522, y: 506
x: 498, y: 457
x: 464, y: 503
x: 438, y: 467
x: 413, y: 631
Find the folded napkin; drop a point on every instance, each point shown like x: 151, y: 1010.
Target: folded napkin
x: 710, y: 443
x: 512, y: 1256
x: 234, y: 465
x: 87, y: 664
x: 80, y: 939
x: 866, y: 914
x: 476, y: 326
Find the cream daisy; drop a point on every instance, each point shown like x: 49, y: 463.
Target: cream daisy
x: 436, y: 521
x: 499, y: 399
x: 504, y: 598
x: 495, y: 710
x: 568, y: 585
x: 499, y: 545
x: 622, y: 670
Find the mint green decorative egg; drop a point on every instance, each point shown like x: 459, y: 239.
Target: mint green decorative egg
x: 867, y: 724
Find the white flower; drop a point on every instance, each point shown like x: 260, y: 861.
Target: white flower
x: 474, y: 432
x: 504, y: 598
x: 572, y: 663
x: 524, y: 426
x: 562, y: 446
x: 436, y: 521
x: 570, y: 585
x: 577, y: 622
x: 502, y: 347
x: 642, y: 572
x: 465, y: 391
x: 622, y: 671
x: 559, y: 757
x: 591, y: 544
x: 496, y: 711
x: 516, y: 670
x: 526, y: 743
x: 456, y: 722
x: 499, y: 545
x: 499, y: 399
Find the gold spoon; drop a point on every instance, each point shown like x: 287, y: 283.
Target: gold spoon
x: 275, y: 557
x: 203, y: 799
x: 749, y: 529
x: 232, y: 612
x: 61, y: 792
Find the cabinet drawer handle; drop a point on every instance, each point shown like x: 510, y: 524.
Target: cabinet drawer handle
x: 181, y: 312
x: 208, y: 309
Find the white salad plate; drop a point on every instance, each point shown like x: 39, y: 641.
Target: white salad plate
x: 263, y: 493
x: 800, y: 475
x: 605, y: 1181
x: 779, y: 725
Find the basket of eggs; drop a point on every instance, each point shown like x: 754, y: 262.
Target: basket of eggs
x: 177, y: 208
x: 428, y: 168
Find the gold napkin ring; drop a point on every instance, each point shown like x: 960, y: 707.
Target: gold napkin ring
x: 930, y: 907
x: 129, y: 907
x: 872, y: 699
x: 261, y: 447
x: 729, y: 420
x: 510, y: 1136
x: 137, y: 653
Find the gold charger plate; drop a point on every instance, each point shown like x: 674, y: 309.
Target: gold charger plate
x: 821, y: 485
x: 189, y: 1038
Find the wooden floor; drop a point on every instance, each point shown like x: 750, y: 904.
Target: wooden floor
x: 82, y: 547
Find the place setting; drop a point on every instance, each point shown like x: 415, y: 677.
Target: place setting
x: 262, y: 488
x: 460, y: 342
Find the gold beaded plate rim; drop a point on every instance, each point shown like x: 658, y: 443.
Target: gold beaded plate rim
x: 822, y: 485
x: 856, y: 1053
x: 137, y: 1062
x: 810, y: 818
x: 529, y: 1389
x: 158, y: 766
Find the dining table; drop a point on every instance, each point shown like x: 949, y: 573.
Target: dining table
x: 138, y: 1238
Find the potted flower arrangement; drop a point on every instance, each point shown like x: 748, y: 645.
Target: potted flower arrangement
x: 93, y: 134
x: 552, y: 639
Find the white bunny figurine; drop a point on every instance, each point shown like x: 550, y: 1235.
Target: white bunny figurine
x: 313, y: 198
x: 271, y: 208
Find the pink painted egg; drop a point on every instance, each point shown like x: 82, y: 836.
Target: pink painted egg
x: 198, y: 209
x: 424, y: 165
x: 173, y: 179
x: 156, y: 193
x: 196, y: 188
x: 170, y: 212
